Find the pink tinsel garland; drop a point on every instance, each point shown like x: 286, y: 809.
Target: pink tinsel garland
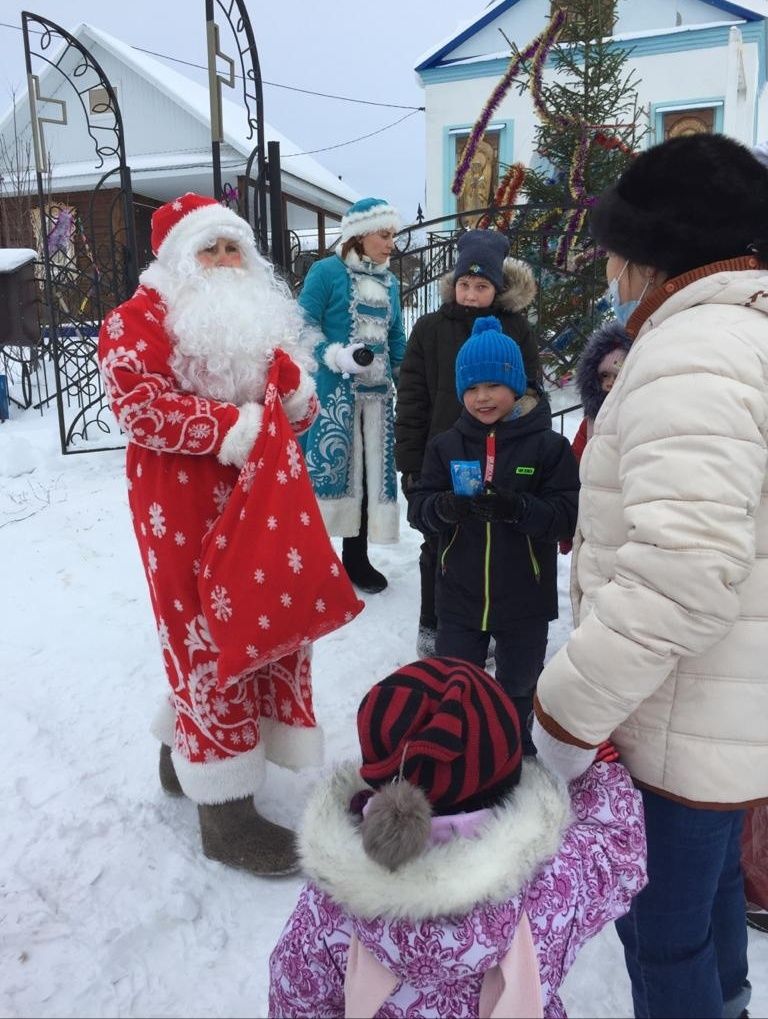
x: 543, y: 42
x: 514, y: 177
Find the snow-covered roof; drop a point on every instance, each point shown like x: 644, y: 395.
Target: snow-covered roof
x: 194, y: 98
x: 619, y: 37
x: 14, y: 258
x: 467, y: 29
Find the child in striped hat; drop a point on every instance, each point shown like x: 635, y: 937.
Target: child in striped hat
x: 447, y: 877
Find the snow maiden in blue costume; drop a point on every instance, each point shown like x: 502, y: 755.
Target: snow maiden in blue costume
x: 353, y: 298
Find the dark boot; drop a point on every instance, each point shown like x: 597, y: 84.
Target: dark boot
x: 235, y: 833
x: 169, y: 780
x: 354, y: 557
x: 524, y: 707
x: 354, y: 554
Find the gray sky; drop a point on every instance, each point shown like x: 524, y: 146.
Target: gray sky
x: 345, y: 47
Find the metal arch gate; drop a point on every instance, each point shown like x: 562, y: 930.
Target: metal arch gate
x: 86, y: 270
x: 260, y: 202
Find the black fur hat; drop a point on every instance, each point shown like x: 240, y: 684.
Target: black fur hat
x: 601, y: 342
x: 686, y: 203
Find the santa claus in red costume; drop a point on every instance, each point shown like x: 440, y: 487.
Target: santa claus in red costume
x: 185, y: 363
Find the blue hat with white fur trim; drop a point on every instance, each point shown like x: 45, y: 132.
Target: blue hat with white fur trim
x: 367, y: 216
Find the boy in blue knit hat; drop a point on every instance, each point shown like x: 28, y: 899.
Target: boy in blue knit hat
x: 485, y: 280
x: 500, y: 489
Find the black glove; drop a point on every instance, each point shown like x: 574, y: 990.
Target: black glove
x: 491, y: 505
x: 407, y: 481
x: 452, y: 508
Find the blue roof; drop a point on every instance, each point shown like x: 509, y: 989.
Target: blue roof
x: 737, y: 10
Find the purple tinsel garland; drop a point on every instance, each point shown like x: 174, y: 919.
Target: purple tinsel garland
x: 540, y: 47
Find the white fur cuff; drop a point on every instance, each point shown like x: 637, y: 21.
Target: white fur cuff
x: 292, y: 746
x: 163, y: 725
x: 297, y: 404
x: 329, y: 356
x: 233, y: 778
x: 239, y: 440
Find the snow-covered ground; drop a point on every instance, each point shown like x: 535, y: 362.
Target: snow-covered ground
x: 108, y: 907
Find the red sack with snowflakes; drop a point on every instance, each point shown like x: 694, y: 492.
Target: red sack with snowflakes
x: 270, y: 581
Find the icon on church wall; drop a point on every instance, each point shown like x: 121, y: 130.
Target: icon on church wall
x: 684, y: 122
x: 482, y: 176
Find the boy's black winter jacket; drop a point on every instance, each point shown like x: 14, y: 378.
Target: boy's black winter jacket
x: 427, y: 403
x: 490, y: 574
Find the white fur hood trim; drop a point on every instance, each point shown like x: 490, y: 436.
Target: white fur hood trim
x: 451, y: 878
x: 158, y: 278
x: 519, y: 286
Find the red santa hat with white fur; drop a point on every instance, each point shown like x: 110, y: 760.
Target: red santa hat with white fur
x: 191, y: 223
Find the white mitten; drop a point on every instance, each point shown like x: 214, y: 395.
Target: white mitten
x: 561, y: 759
x: 240, y: 438
x: 346, y: 363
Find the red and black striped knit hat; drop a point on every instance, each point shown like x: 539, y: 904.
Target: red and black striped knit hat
x: 445, y: 726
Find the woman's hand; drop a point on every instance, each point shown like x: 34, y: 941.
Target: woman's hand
x: 346, y: 362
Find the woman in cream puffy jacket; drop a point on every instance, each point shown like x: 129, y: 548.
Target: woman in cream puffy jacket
x: 670, y: 573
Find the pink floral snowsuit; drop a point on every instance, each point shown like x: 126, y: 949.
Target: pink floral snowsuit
x: 177, y: 491
x: 442, y: 922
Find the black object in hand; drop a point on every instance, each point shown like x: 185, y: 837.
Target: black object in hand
x: 362, y: 356
x: 407, y: 481
x: 491, y: 505
x: 452, y: 508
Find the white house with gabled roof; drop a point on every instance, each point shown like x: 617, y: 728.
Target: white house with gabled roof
x: 701, y: 65
x: 166, y: 123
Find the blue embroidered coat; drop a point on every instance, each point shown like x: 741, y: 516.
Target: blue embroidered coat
x: 354, y: 301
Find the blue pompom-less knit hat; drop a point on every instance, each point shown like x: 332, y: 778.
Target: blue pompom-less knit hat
x: 367, y: 216
x: 489, y: 356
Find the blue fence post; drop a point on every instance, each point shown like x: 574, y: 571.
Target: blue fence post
x: 4, y: 408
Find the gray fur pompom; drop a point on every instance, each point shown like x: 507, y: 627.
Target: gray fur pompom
x: 396, y: 825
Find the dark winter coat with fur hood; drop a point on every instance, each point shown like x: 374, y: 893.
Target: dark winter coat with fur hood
x: 434, y: 937
x: 426, y: 392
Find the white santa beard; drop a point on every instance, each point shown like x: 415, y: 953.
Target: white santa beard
x: 224, y: 324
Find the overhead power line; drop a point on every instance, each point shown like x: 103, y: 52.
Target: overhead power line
x: 274, y: 84
x: 326, y: 148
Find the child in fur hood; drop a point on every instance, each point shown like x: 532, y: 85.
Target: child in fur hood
x: 598, y: 368
x: 446, y: 876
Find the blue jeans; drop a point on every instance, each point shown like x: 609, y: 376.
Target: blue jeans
x: 685, y: 937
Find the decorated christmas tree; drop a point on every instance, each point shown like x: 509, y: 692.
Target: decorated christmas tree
x: 589, y: 126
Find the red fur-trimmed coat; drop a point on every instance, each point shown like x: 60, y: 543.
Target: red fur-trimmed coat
x: 182, y: 464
